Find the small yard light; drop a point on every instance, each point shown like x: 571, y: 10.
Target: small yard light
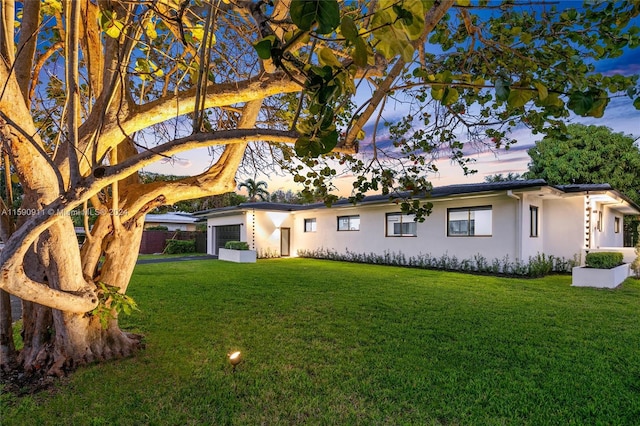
x: 234, y: 359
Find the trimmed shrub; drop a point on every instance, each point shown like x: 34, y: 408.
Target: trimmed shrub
x: 236, y: 245
x: 180, y: 246
x: 537, y: 266
x: 604, y: 260
x: 635, y: 265
x: 157, y: 228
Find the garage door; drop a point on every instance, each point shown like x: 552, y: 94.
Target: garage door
x: 226, y: 233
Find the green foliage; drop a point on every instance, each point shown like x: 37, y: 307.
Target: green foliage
x: 539, y: 265
x: 499, y: 177
x: 324, y: 13
x: 635, y: 265
x: 587, y: 154
x: 396, y: 24
x: 604, y: 260
x: 112, y: 301
x: 180, y: 246
x: 110, y: 24
x: 236, y: 245
x: 157, y: 228
x: 264, y: 46
x: 255, y: 189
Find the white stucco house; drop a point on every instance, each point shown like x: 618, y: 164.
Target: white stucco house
x: 518, y: 219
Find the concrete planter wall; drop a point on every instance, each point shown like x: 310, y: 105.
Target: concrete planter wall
x: 238, y: 256
x: 601, y: 278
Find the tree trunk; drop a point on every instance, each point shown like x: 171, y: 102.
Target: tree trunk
x: 7, y: 347
x: 57, y: 342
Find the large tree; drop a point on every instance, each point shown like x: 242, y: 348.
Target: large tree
x: 588, y: 154
x: 93, y: 91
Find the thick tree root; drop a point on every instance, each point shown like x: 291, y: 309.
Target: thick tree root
x: 41, y: 370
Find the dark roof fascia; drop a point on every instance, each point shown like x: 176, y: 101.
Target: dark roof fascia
x: 262, y: 205
x: 596, y: 187
x: 583, y: 187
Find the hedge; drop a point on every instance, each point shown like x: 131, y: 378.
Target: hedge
x: 180, y: 246
x: 604, y: 260
x: 236, y: 245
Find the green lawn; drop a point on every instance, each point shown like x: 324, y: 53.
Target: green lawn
x: 338, y: 343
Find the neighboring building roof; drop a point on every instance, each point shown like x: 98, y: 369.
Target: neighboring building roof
x: 177, y: 217
x: 437, y: 192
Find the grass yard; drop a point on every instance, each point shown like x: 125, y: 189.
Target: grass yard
x: 337, y: 343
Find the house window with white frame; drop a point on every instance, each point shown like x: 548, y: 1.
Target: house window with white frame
x: 401, y: 225
x: 616, y: 225
x: 470, y: 222
x: 349, y: 223
x: 599, y: 224
x: 533, y: 221
x: 310, y: 225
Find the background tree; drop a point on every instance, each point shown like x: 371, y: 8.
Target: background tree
x: 93, y: 92
x: 500, y: 177
x: 255, y: 189
x: 588, y: 154
x: 287, y: 197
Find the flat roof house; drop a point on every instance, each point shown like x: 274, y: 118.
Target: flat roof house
x: 517, y: 219
x: 178, y: 221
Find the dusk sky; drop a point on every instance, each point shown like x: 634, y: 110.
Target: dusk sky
x: 620, y: 116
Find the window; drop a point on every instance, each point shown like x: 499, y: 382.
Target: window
x: 600, y: 220
x: 349, y: 223
x: 469, y: 222
x: 310, y: 225
x: 401, y: 225
x: 533, y: 225
x: 616, y: 225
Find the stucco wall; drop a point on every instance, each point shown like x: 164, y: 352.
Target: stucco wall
x: 532, y: 245
x: 608, y: 237
x: 267, y: 232
x: 431, y: 235
x: 564, y: 226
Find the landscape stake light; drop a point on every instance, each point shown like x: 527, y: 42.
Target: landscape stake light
x: 234, y: 359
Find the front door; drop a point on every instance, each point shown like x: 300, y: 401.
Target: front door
x: 285, y: 241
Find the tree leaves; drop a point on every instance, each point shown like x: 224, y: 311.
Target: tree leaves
x: 502, y: 89
x: 588, y: 104
x: 519, y: 97
x: 324, y: 13
x: 263, y: 47
x: 580, y: 102
x: 395, y: 25
x: 318, y: 145
x: 542, y: 90
x: 587, y: 154
x: 348, y: 29
x: 110, y: 24
x: 146, y: 69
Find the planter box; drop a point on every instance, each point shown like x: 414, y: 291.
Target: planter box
x: 601, y: 278
x: 238, y: 256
